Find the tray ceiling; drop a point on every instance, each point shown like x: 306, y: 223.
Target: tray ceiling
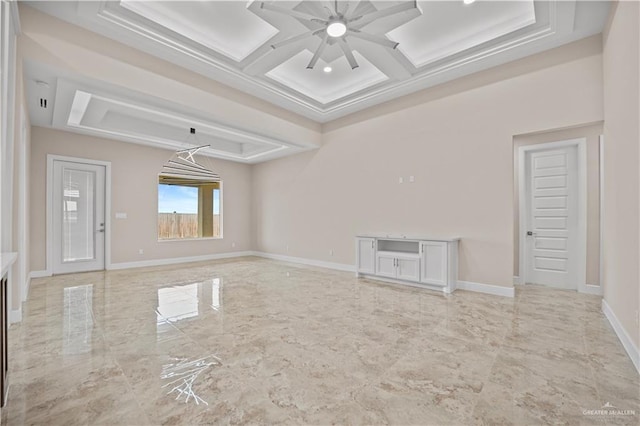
x: 230, y: 41
x: 92, y: 107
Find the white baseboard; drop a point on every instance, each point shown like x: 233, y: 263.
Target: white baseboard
x: 461, y: 285
x: 486, y: 288
x: 175, y: 260
x: 39, y: 274
x: 15, y: 315
x: 305, y: 261
x: 591, y: 289
x: 626, y: 341
x: 588, y: 289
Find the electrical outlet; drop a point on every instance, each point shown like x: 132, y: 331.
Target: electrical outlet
x: 287, y: 248
x: 331, y: 252
x: 400, y: 179
x: 233, y: 245
x: 412, y: 179
x: 140, y: 251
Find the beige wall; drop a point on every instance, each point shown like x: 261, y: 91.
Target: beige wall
x: 134, y: 180
x: 592, y: 135
x: 455, y: 139
x: 621, y: 159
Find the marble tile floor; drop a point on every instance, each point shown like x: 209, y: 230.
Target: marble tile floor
x: 256, y: 341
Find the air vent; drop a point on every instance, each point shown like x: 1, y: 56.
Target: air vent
x: 43, y: 88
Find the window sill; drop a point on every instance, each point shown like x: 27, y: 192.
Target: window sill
x: 170, y: 240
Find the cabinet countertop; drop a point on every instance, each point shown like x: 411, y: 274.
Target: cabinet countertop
x: 7, y: 260
x: 407, y: 237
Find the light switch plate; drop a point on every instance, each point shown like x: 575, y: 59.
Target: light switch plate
x: 121, y: 215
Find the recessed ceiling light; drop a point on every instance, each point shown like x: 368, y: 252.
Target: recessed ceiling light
x: 336, y: 29
x: 468, y: 1
x: 327, y: 69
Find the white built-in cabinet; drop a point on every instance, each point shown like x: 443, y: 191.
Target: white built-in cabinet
x: 400, y: 266
x: 432, y: 263
x: 366, y: 255
x: 434, y: 268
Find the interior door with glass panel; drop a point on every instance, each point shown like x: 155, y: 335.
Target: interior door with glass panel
x: 78, y: 217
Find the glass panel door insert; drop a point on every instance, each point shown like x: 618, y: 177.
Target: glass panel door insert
x: 78, y: 217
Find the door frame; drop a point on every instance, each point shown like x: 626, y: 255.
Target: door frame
x: 49, y: 202
x: 601, y: 201
x: 23, y: 206
x: 581, y: 144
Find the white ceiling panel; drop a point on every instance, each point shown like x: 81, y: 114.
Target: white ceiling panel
x: 447, y: 28
x: 122, y: 118
x: 322, y: 86
x: 226, y: 27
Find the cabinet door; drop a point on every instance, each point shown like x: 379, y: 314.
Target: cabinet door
x: 434, y: 263
x: 408, y: 269
x: 365, y: 255
x: 386, y: 266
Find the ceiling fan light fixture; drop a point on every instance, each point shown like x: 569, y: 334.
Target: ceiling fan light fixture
x: 327, y: 69
x: 342, y: 24
x: 336, y: 28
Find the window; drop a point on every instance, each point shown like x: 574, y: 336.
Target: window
x: 188, y: 208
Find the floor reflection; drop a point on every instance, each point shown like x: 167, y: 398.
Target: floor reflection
x: 185, y: 301
x: 77, y: 323
x: 182, y: 374
x: 177, y: 303
x: 216, y: 288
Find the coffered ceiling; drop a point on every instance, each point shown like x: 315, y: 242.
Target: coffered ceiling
x: 231, y: 41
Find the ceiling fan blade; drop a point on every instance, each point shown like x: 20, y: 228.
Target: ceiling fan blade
x: 290, y: 12
x: 373, y: 38
x: 329, y: 8
x: 361, y: 21
x: 348, y: 54
x: 319, y: 51
x: 346, y: 7
x: 296, y: 38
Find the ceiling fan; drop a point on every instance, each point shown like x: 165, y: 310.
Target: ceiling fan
x: 340, y: 23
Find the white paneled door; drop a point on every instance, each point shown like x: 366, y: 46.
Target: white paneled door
x: 552, y: 217
x: 78, y: 217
